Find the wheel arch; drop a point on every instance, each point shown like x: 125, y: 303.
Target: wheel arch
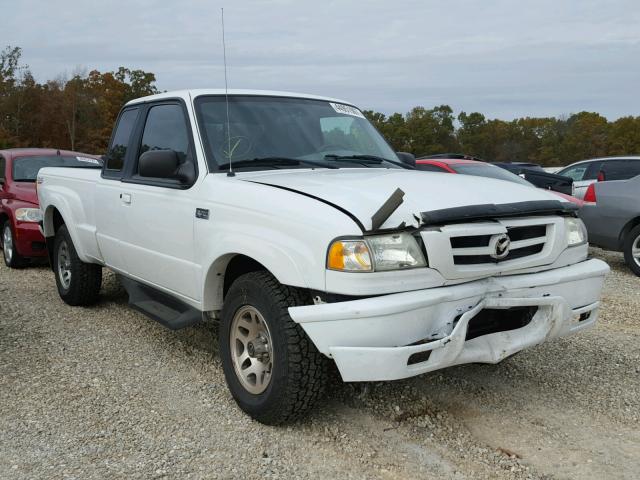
x: 630, y: 225
x: 52, y: 221
x: 53, y: 218
x: 4, y: 216
x: 227, y: 267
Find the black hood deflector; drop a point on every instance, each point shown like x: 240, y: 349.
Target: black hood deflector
x: 490, y: 210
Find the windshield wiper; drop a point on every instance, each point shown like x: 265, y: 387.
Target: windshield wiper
x: 365, y: 159
x: 372, y: 159
x: 274, y: 162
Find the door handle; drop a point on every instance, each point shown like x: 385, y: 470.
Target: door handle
x: 126, y: 198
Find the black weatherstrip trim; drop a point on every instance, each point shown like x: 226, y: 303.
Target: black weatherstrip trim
x: 490, y: 210
x: 326, y: 202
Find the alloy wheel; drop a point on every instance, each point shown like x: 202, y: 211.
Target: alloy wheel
x: 251, y: 349
x: 7, y: 243
x: 64, y: 265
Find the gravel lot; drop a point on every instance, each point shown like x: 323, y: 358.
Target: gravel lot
x: 107, y: 393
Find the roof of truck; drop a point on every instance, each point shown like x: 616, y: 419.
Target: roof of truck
x: 221, y: 91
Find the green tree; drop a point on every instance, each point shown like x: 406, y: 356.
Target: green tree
x: 586, y: 137
x: 430, y: 131
x: 624, y: 136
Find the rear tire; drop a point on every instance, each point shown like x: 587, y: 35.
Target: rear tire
x: 78, y: 282
x: 12, y: 258
x: 631, y: 250
x: 292, y: 375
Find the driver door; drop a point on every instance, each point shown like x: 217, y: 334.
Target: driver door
x: 158, y: 242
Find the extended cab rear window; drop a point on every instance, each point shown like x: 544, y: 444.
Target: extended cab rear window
x: 25, y: 169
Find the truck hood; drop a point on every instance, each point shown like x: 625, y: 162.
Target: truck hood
x: 361, y: 192
x: 25, y: 191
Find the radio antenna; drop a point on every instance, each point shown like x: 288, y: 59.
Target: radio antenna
x: 230, y: 173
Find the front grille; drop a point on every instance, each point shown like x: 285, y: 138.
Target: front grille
x: 514, y: 254
x: 474, y: 249
x: 38, y: 246
x: 525, y: 241
x: 471, y: 241
x: 524, y: 233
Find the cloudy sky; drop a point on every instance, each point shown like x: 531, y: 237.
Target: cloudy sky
x: 503, y: 58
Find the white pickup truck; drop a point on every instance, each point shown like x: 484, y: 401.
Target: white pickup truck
x: 289, y: 219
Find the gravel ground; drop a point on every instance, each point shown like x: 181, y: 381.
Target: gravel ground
x: 107, y: 393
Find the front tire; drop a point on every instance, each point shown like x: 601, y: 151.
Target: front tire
x: 78, y: 282
x: 12, y: 258
x: 273, y: 370
x: 631, y: 250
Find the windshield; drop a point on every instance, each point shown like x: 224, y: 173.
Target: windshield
x: 279, y: 132
x: 25, y: 169
x: 491, y: 171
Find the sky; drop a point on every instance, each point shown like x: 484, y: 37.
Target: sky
x: 506, y: 59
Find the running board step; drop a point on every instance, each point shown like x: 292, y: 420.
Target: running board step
x: 163, y: 308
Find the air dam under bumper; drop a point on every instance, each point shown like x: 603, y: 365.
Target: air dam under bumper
x: 373, y: 339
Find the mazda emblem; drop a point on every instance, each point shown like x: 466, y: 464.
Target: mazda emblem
x: 500, y: 246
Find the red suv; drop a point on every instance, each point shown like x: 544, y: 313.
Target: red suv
x: 20, y: 236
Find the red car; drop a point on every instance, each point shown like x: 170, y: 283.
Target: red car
x: 480, y: 169
x: 20, y: 236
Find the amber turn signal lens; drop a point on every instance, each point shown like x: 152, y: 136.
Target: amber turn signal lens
x: 336, y: 256
x: 349, y: 256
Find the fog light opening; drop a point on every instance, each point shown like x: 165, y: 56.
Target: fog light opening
x: 419, y: 357
x: 584, y: 316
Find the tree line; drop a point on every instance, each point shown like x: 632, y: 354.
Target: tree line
x: 78, y: 113
x: 548, y: 141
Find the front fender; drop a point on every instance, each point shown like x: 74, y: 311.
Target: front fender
x: 273, y: 258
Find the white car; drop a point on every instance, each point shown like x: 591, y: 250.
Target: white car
x: 289, y: 219
x: 586, y: 172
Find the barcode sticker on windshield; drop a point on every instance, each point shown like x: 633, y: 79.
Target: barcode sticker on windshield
x: 88, y: 160
x: 346, y: 109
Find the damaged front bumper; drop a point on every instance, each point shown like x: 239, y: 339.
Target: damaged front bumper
x: 405, y: 334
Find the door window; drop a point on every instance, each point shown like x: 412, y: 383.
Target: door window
x: 634, y: 168
x: 576, y: 173
x: 121, y: 137
x: 3, y: 166
x: 621, y: 169
x: 166, y: 129
x: 593, y: 171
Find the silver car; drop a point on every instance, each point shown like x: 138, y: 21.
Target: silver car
x: 613, y: 220
x: 586, y: 172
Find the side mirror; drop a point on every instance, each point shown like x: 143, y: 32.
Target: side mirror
x: 407, y: 158
x: 158, y: 164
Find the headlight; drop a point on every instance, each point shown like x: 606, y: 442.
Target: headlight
x: 28, y: 215
x: 576, y: 231
x: 395, y: 251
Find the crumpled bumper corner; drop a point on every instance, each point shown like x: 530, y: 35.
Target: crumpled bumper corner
x: 378, y: 338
